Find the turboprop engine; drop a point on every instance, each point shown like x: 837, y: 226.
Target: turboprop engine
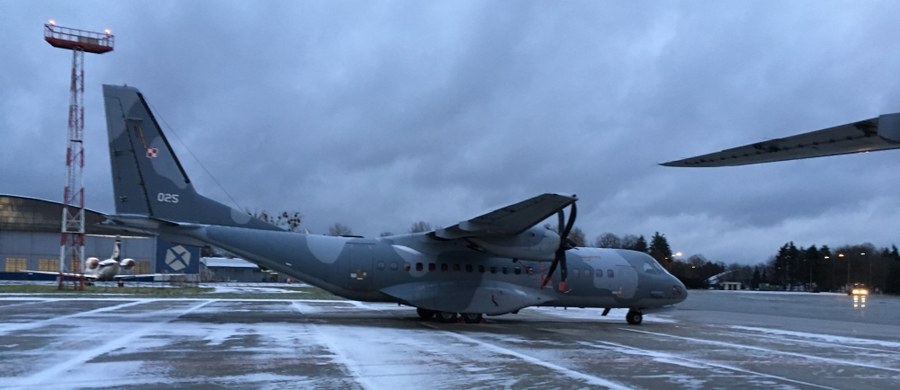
x: 92, y: 263
x: 536, y: 243
x: 127, y: 264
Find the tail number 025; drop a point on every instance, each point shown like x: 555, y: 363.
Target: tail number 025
x: 166, y: 198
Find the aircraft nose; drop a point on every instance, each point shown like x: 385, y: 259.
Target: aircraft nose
x: 679, y: 292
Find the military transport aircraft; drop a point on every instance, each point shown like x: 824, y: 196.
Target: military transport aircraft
x: 103, y: 270
x: 497, y: 263
x: 881, y: 133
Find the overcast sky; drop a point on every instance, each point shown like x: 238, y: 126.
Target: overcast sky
x: 380, y: 114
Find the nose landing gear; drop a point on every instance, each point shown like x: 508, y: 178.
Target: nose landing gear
x: 634, y: 317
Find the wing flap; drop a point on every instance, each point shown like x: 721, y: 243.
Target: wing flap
x: 881, y: 133
x: 509, y: 220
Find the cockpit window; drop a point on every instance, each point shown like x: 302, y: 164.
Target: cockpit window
x: 652, y: 267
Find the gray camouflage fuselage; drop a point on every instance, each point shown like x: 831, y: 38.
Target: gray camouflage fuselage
x: 492, y: 264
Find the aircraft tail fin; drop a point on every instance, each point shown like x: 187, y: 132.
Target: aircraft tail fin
x: 148, y: 179
x: 116, y: 249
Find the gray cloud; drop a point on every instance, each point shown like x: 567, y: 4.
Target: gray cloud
x: 377, y: 115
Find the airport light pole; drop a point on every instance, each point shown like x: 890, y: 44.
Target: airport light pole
x: 79, y: 42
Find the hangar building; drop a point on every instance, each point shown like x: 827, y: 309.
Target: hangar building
x: 30, y: 239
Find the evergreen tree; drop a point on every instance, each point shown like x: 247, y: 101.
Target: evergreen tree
x: 640, y: 244
x: 659, y: 250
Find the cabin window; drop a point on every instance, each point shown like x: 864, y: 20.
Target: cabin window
x: 529, y: 270
x: 505, y: 270
x: 610, y: 274
x: 575, y: 273
x: 444, y: 267
x: 419, y: 267
x: 380, y: 265
x: 599, y: 273
x: 469, y: 268
x: 493, y: 270
x: 431, y: 267
x: 406, y: 266
x: 481, y: 268
x: 517, y: 270
x: 393, y: 266
x: 456, y: 267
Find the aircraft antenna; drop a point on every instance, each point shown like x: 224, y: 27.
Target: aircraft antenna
x: 79, y: 42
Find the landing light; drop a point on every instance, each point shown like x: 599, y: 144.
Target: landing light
x: 52, y: 22
x: 859, y: 291
x: 107, y: 31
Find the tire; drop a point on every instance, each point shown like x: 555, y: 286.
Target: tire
x: 446, y: 317
x: 634, y: 317
x: 425, y: 314
x: 472, y: 318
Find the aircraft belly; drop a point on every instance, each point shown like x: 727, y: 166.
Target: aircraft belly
x: 487, y: 297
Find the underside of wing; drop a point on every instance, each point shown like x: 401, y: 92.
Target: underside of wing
x: 881, y: 133
x: 509, y: 220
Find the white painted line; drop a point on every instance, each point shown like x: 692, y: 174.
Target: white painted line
x: 591, y: 379
x: 829, y: 340
x: 666, y: 357
x: 53, y: 373
x: 14, y: 327
x: 767, y: 350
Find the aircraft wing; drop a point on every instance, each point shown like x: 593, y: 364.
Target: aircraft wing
x: 66, y: 274
x: 509, y: 220
x: 132, y: 276
x: 881, y: 133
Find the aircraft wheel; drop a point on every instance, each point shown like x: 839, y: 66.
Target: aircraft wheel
x: 425, y: 314
x: 472, y: 318
x: 634, y: 317
x: 444, y: 316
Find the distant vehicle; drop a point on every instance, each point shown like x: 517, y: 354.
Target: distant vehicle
x: 492, y: 264
x: 102, y: 270
x: 858, y: 289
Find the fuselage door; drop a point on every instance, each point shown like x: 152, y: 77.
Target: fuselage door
x: 626, y: 281
x: 359, y: 260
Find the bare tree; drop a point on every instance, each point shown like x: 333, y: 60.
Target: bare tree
x: 420, y: 227
x: 289, y: 221
x: 577, y: 237
x: 608, y: 240
x: 339, y: 229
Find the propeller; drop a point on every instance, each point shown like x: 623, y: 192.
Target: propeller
x: 559, y: 258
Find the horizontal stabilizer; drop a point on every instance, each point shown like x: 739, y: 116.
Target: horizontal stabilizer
x: 881, y: 133
x: 509, y: 220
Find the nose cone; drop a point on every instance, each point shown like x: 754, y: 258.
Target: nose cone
x: 679, y: 292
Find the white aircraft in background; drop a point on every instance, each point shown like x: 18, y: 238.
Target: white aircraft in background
x: 103, y: 270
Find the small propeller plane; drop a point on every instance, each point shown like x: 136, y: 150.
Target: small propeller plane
x: 103, y: 270
x: 493, y: 264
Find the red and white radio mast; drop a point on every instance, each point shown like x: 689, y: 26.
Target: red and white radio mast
x: 79, y: 42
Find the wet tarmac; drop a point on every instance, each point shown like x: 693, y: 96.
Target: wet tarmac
x: 714, y: 340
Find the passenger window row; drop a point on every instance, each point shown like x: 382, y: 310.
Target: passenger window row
x: 456, y: 267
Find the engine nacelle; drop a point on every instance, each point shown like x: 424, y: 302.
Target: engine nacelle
x: 92, y: 263
x: 127, y: 264
x: 537, y: 243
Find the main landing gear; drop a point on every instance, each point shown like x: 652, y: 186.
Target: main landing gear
x: 634, y: 317
x: 448, y: 317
